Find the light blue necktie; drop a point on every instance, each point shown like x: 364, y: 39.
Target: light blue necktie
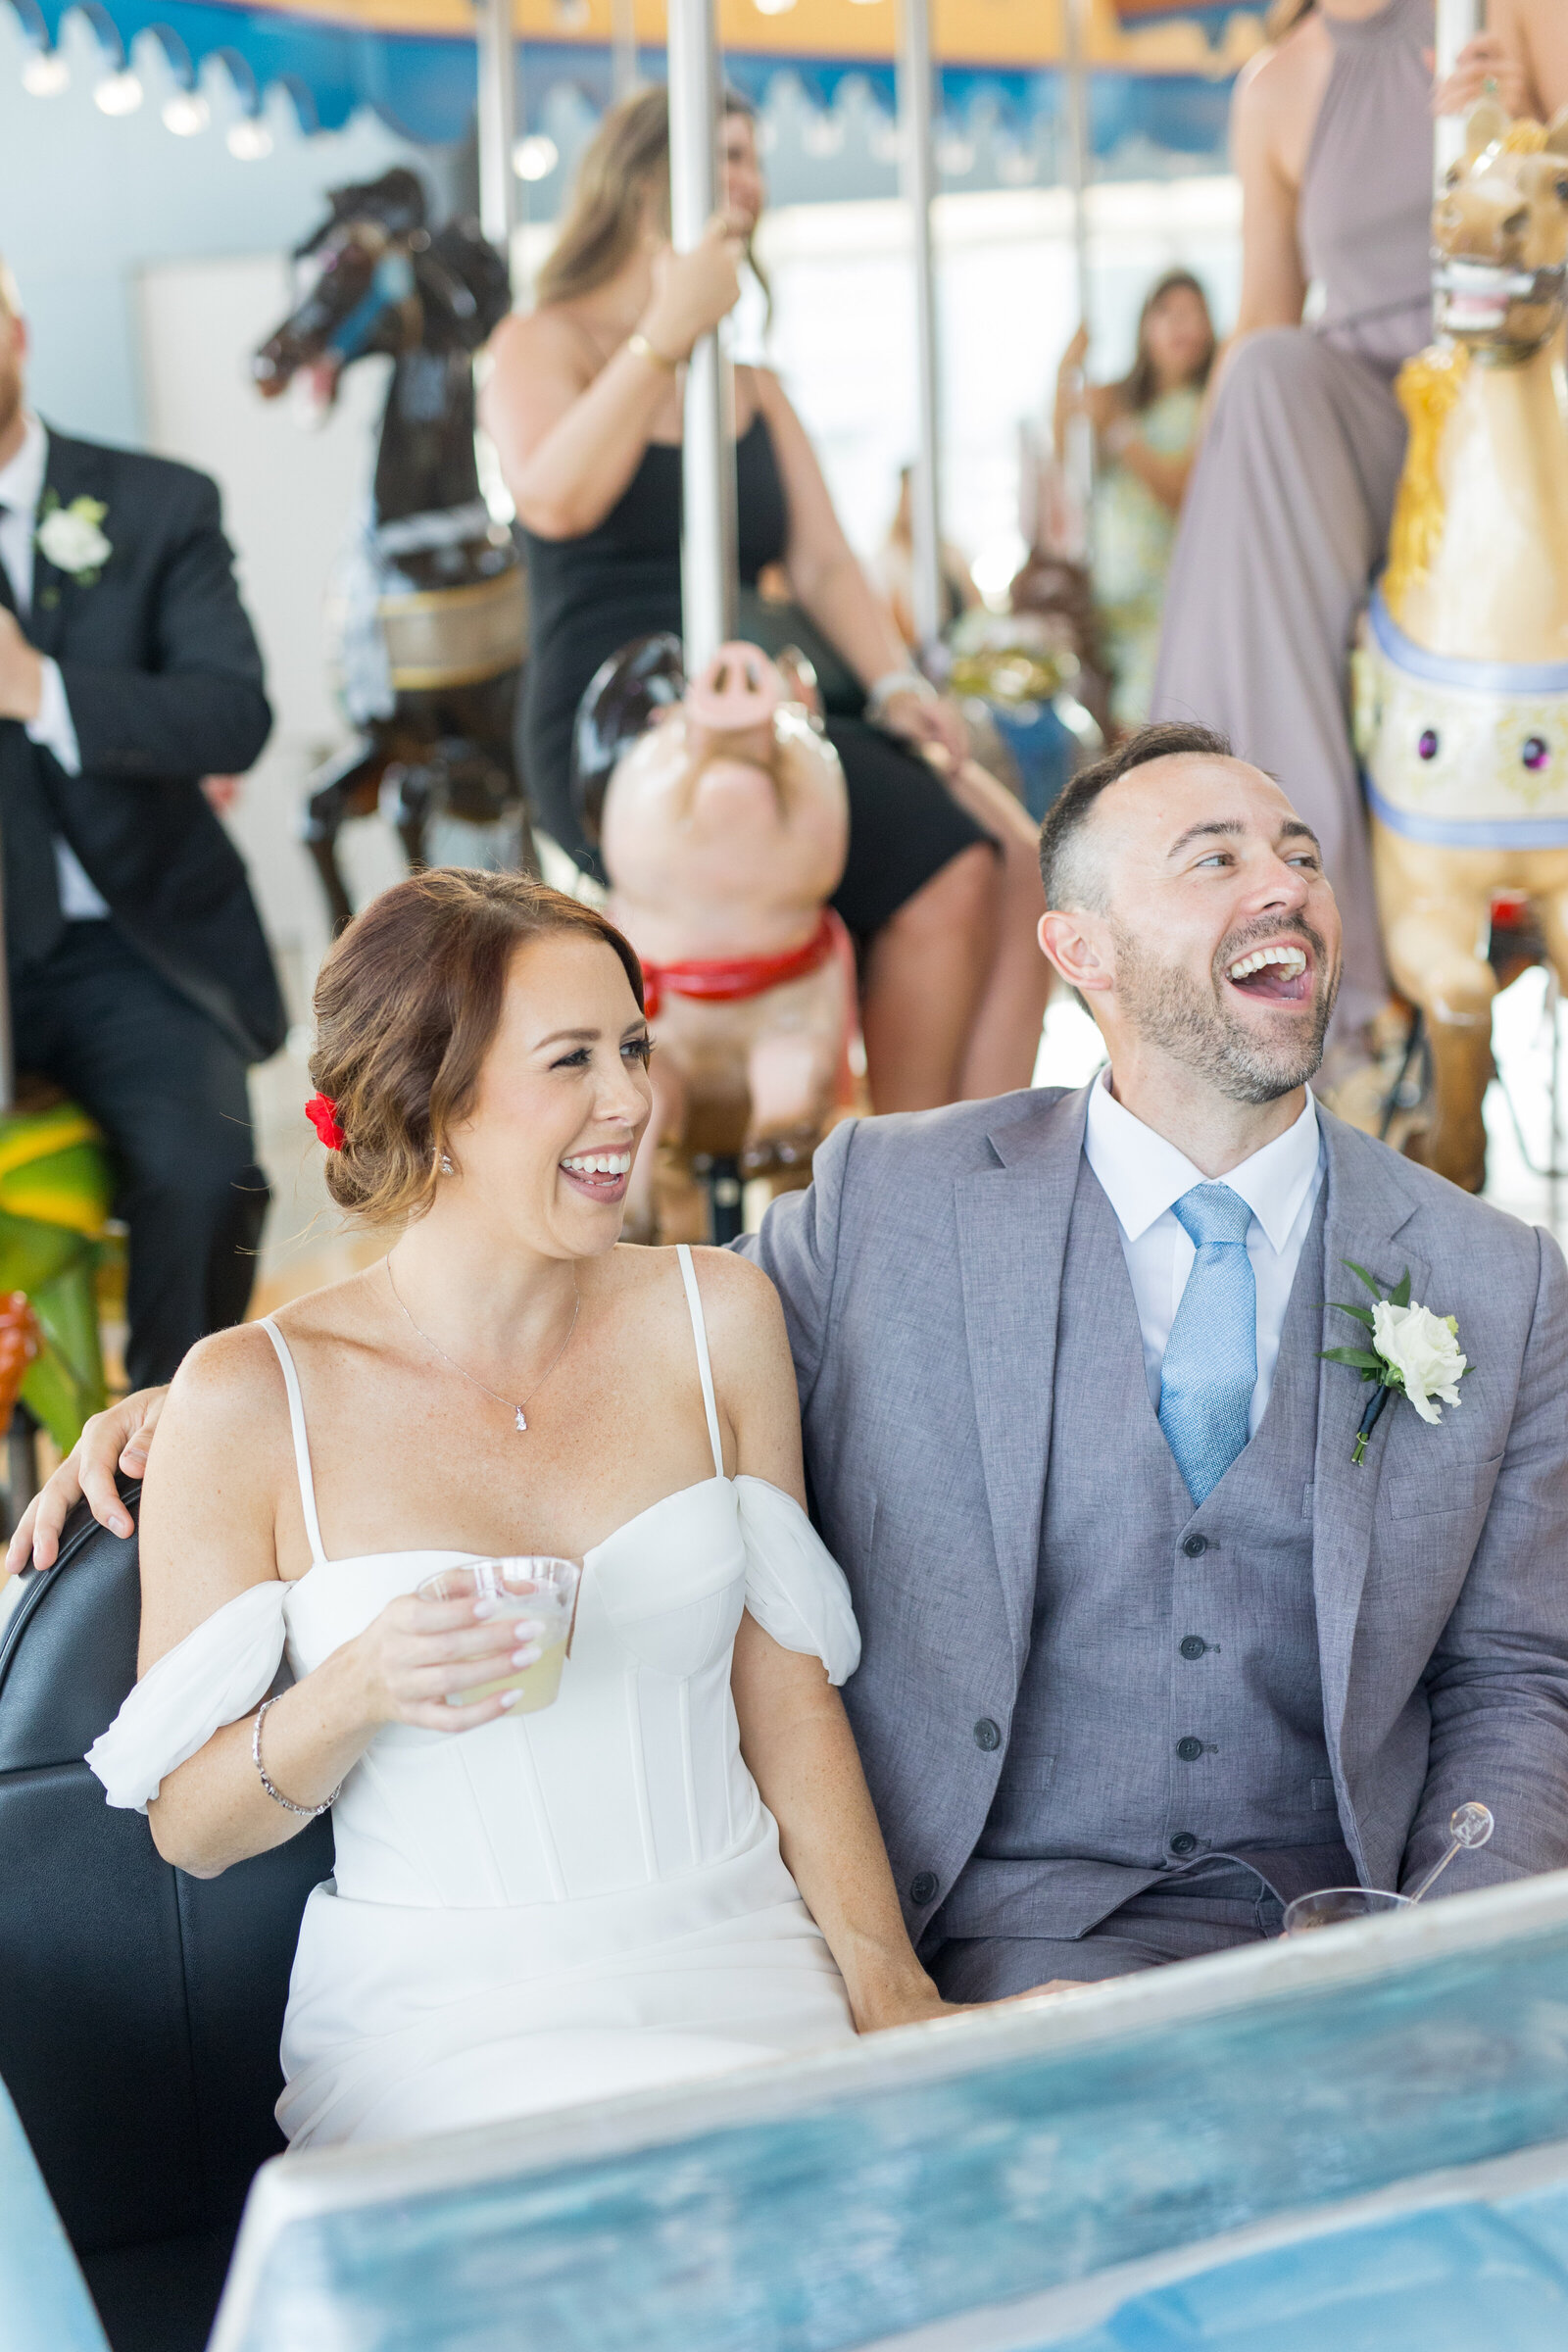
x: 1210, y: 1368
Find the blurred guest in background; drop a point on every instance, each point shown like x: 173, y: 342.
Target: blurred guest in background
x: 1146, y: 434
x: 584, y: 406
x: 140, y: 981
x: 895, y: 569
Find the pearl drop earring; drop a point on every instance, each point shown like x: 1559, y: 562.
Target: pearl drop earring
x: 445, y: 1165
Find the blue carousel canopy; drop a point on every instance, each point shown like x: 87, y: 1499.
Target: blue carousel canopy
x: 422, y: 80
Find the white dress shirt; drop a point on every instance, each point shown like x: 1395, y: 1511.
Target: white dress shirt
x: 20, y: 489
x: 1142, y: 1177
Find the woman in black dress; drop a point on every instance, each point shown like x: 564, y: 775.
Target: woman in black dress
x: 941, y: 890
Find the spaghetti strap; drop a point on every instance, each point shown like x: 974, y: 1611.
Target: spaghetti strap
x: 302, y: 1446
x: 693, y: 1299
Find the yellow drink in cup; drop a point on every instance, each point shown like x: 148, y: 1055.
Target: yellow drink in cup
x: 530, y: 1587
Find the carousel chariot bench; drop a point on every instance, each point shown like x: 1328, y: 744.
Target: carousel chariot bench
x: 142, y: 2011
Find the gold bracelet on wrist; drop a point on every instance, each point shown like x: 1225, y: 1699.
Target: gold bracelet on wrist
x: 641, y: 349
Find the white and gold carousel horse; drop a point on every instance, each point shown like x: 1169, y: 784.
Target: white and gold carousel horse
x: 1462, y: 679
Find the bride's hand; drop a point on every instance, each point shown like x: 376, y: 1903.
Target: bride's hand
x: 919, y: 2006
x: 409, y: 1659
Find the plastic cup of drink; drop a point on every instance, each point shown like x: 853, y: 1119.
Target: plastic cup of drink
x: 1340, y: 1907
x: 530, y: 1585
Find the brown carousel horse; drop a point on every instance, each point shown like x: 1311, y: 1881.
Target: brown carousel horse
x: 1462, y: 682
x: 434, y: 614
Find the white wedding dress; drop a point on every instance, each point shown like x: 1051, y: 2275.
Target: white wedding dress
x: 555, y: 1906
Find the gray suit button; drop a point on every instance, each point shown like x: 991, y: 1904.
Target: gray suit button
x: 987, y: 1735
x: 1193, y: 1645
x: 922, y: 1887
x: 1189, y: 1749
x: 1195, y: 1547
x: 1184, y: 1842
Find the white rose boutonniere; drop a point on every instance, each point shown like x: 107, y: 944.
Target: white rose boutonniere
x: 72, y: 537
x: 1413, y: 1353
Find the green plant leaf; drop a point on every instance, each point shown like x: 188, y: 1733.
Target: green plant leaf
x: 1362, y: 1314
x: 1400, y: 1296
x: 1372, y: 1285
x: 1360, y: 1360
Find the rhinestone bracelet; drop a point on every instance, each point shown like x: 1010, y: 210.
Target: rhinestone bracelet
x: 304, y: 1812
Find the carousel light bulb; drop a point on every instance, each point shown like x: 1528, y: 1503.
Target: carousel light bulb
x: 45, y: 74
x: 535, y: 156
x: 119, y: 93
x: 185, y: 113
x: 771, y: 7
x: 249, y: 139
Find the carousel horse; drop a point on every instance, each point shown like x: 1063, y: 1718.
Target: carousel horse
x: 1462, y: 679
x: 433, y: 615
x: 721, y: 816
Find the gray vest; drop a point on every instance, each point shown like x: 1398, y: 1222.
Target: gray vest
x: 1171, y: 1708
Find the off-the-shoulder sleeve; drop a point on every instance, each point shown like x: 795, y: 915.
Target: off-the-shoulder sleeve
x: 795, y: 1588
x: 220, y: 1671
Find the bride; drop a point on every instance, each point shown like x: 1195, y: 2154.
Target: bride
x: 675, y: 1869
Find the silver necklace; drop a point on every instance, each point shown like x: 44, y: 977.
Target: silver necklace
x: 510, y: 1402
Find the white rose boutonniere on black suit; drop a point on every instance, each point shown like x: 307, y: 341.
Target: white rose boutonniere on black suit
x: 73, y: 539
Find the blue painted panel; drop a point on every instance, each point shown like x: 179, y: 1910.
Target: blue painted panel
x: 814, y: 2221
x: 44, y: 2304
x: 1464, y: 2279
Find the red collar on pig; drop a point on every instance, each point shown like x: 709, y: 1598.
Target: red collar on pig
x: 726, y: 980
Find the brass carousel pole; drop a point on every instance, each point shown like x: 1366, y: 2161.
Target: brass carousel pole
x: 707, y: 556
x: 917, y: 176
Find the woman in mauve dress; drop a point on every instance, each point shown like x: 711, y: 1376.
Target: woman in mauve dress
x: 1287, y: 513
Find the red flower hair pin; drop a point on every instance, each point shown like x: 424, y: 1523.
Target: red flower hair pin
x: 322, y: 1112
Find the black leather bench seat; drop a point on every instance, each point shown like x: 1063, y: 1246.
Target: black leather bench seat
x: 141, y: 2009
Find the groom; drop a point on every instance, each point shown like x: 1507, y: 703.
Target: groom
x: 1147, y: 1653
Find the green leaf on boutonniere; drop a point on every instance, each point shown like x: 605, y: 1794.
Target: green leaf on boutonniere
x: 1362, y: 1359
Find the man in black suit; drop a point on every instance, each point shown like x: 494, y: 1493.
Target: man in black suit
x: 140, y: 980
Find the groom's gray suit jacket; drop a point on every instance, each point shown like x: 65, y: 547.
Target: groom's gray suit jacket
x: 922, y: 1285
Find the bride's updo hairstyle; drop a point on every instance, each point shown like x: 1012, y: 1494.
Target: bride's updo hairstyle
x: 408, y: 1004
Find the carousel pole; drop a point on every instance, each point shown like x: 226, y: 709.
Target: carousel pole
x: 622, y: 49
x: 1459, y: 21
x: 1079, y: 456
x: 916, y: 176
x: 707, y: 552
x: 497, y: 122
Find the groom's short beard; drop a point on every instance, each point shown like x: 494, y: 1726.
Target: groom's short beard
x: 1196, y: 1025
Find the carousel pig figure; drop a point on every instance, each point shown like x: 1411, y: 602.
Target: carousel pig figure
x: 1462, y: 679
x: 720, y: 813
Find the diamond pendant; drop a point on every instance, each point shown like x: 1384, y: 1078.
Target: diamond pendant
x: 522, y: 1423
